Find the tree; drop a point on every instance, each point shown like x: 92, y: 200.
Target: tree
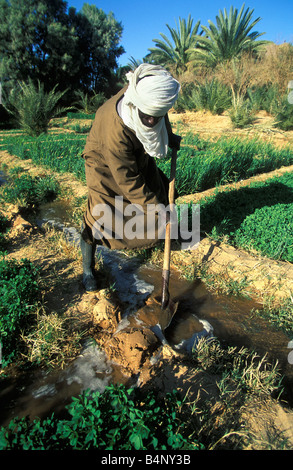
x: 176, y: 54
x: 99, y: 38
x: 40, y: 40
x: 36, y: 43
x: 230, y: 38
x: 33, y: 108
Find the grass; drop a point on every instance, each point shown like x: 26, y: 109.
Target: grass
x: 28, y: 191
x: 52, y: 342
x: 261, y: 207
x: 59, y: 152
x: 279, y: 314
x: 19, y: 296
x: 201, y: 164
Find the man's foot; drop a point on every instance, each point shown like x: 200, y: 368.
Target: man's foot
x: 90, y: 283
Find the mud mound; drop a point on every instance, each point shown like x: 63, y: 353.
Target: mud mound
x: 131, y: 349
x: 132, y: 342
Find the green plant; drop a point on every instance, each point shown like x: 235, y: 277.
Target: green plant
x: 29, y: 191
x: 79, y: 129
x: 263, y: 97
x: 15, y: 171
x: 19, y: 291
x: 4, y: 225
x: 51, y: 342
x: 202, y: 164
x: 268, y: 230
x: 279, y: 313
x: 241, y: 112
x: 32, y: 107
x: 259, y: 216
x: 89, y: 103
x: 243, y: 369
x: 118, y: 419
x: 211, y: 96
x: 80, y: 115
x: 176, y: 52
x: 229, y: 38
x: 283, y: 112
x: 184, y: 103
x: 62, y: 154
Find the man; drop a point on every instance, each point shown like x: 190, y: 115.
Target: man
x: 129, y: 130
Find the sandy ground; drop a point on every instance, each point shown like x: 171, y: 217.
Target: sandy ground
x: 209, y: 126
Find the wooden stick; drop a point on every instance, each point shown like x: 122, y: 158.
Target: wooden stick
x: 167, y: 249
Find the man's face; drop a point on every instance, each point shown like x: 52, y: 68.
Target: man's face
x: 149, y: 121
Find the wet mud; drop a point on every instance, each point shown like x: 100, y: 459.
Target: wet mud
x: 231, y: 318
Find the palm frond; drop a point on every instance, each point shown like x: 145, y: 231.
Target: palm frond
x: 229, y: 37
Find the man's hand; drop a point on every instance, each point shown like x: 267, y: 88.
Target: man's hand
x: 174, y: 141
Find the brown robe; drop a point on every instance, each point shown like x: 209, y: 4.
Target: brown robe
x: 117, y: 165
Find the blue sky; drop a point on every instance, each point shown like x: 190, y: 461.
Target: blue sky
x: 143, y: 21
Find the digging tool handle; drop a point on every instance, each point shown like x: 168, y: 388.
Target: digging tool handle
x: 167, y: 250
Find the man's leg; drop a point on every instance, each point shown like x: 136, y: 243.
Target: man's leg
x: 88, y: 251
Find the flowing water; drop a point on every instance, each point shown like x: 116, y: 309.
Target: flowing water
x: 3, y: 178
x: 38, y: 393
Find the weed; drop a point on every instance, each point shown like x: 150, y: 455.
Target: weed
x: 256, y: 216
x: 279, y: 313
x: 19, y: 291
x: 32, y: 107
x: 269, y: 230
x: 222, y: 283
x: 241, y: 377
x: 244, y: 368
x: 28, y: 191
x: 4, y: 228
x: 117, y: 419
x: 51, y: 343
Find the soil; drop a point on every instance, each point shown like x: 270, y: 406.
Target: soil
x: 209, y: 126
x: 134, y: 346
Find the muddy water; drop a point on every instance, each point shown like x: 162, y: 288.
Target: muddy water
x: 232, y: 319
x: 3, y: 178
x: 56, y: 213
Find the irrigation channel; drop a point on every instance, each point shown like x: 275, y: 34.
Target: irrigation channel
x: 200, y: 314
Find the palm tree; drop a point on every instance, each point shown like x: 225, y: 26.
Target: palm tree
x: 32, y: 107
x: 229, y: 39
x: 134, y: 63
x: 176, y: 54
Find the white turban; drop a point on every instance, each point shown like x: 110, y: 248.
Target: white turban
x: 153, y: 91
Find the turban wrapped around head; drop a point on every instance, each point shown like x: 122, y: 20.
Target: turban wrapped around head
x: 152, y: 90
